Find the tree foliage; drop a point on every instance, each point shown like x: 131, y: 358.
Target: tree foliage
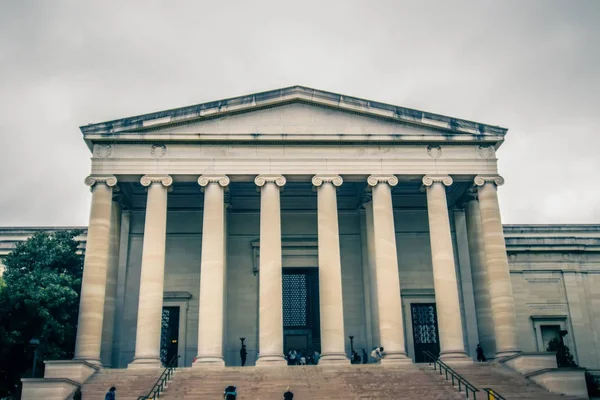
x: 40, y: 300
x: 564, y: 358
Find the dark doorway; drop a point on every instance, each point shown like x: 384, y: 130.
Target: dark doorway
x: 169, y: 334
x: 301, y: 323
x: 425, y: 330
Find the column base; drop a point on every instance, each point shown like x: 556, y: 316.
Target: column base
x: 506, y: 353
x: 454, y: 355
x: 141, y: 363
x: 269, y: 360
x: 334, y: 358
x: 93, y: 361
x: 208, y: 362
x: 396, y: 357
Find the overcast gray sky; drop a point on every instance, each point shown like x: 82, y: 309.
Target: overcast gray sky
x: 530, y: 66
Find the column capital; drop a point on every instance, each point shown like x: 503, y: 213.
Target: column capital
x: 481, y: 180
x: 109, y: 180
x: 222, y: 180
x: 261, y: 180
x: 147, y: 180
x: 391, y: 180
x: 366, y: 198
x: 429, y: 180
x: 318, y: 180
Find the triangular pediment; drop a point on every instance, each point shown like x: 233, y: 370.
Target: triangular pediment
x: 295, y: 113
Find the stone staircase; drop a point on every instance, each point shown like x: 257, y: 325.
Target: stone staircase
x: 130, y: 383
x: 508, y: 383
x: 409, y: 381
x: 312, y: 382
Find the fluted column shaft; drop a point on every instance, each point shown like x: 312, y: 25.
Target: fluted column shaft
x: 110, y: 301
x: 483, y: 307
x: 93, y: 286
x: 444, y: 271
x: 391, y: 325
x: 330, y: 271
x: 147, y: 344
x: 499, y: 283
x: 212, y: 272
x: 270, y: 310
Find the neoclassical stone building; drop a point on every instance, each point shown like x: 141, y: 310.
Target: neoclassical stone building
x: 298, y: 218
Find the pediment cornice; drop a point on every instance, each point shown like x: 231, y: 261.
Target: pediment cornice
x: 290, y: 95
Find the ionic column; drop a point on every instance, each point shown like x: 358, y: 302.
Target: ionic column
x: 147, y: 344
x: 110, y: 299
x: 270, y: 310
x: 444, y: 271
x: 483, y: 307
x: 498, y: 273
x: 391, y: 325
x: 330, y: 271
x: 93, y: 286
x: 212, y: 272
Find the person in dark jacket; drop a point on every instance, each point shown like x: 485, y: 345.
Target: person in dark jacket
x: 230, y: 393
x: 480, y: 355
x: 110, y: 395
x: 288, y: 395
x: 243, y: 354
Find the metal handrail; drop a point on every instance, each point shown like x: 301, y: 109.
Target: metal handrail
x: 162, y: 380
x: 454, y: 376
x: 492, y: 394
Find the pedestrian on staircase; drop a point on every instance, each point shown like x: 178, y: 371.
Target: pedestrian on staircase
x: 288, y: 395
x: 110, y: 395
x: 230, y: 393
x: 243, y: 354
x: 480, y: 355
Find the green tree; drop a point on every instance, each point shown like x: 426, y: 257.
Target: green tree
x: 564, y: 358
x: 40, y: 300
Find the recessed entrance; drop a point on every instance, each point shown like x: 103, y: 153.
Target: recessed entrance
x: 301, y: 323
x: 425, y: 330
x: 169, y: 334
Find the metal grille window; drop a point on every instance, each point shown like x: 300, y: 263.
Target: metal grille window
x: 164, y: 335
x: 295, y: 300
x: 424, y: 324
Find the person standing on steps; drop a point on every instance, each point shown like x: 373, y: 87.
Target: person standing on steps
x: 110, y: 395
x: 288, y: 395
x: 243, y: 354
x: 480, y: 355
x: 365, y: 357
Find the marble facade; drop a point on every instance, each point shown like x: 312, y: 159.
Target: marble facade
x: 202, y: 207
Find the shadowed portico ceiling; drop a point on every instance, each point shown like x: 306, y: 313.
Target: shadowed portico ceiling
x: 163, y: 125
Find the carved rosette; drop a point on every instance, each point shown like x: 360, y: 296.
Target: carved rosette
x: 261, y: 180
x: 158, y: 150
x: 373, y: 180
x: 109, y: 180
x: 434, y: 151
x: 222, y: 180
x: 102, y: 150
x: 165, y: 180
x: 429, y: 180
x: 481, y: 180
x: 485, y: 151
x: 336, y: 180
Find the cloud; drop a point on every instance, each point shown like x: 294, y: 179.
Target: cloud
x: 530, y: 66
